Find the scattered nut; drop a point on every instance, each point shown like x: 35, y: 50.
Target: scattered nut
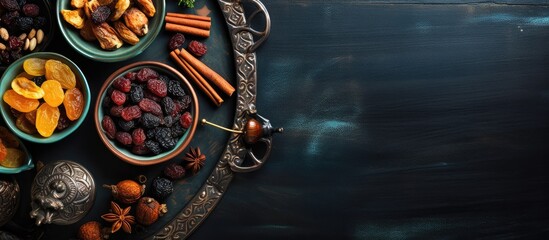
x: 32, y: 33
x: 4, y: 34
x: 2, y: 46
x: 27, y: 43
x: 22, y: 36
x: 32, y: 44
x: 39, y: 36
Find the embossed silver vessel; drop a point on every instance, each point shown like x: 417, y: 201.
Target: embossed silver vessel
x: 9, y: 199
x: 62, y: 193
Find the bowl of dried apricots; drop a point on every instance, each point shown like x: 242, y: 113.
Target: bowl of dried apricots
x: 14, y: 157
x: 45, y: 97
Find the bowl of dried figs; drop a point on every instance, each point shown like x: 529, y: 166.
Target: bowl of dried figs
x: 146, y: 113
x: 110, y: 30
x: 25, y: 27
x: 45, y: 97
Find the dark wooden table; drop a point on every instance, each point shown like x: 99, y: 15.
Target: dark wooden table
x: 403, y: 120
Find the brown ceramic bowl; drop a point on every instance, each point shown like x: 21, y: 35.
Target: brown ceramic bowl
x: 124, y: 152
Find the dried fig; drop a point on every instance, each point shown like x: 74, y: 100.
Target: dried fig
x: 106, y: 35
x: 147, y: 7
x: 86, y: 32
x: 78, y: 3
x: 125, y: 33
x: 136, y: 21
x: 119, y: 8
x: 74, y: 17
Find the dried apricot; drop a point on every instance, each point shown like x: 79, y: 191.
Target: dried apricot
x: 53, y: 93
x: 23, y: 124
x: 74, y: 103
x: 14, y: 158
x: 27, y: 88
x: 18, y: 102
x: 56, y: 70
x: 8, y: 138
x: 3, y: 152
x: 35, y: 66
x: 46, y: 119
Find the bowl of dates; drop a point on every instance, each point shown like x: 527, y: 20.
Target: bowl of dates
x: 146, y: 113
x: 110, y: 30
x: 45, y: 97
x: 25, y: 27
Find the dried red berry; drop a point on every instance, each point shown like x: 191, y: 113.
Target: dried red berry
x: 174, y: 171
x: 108, y: 126
x: 131, y: 76
x: 140, y: 149
x: 15, y: 42
x: 122, y: 84
x: 131, y: 113
x: 186, y: 120
x: 176, y: 41
x: 123, y: 138
x: 138, y: 136
x: 118, y: 97
x: 157, y: 87
x: 197, y: 48
x: 145, y: 74
x: 151, y: 106
x: 115, y: 111
x: 31, y: 10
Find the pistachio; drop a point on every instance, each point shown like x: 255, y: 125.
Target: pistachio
x: 27, y: 43
x: 2, y: 46
x: 32, y: 33
x: 32, y: 44
x: 4, y: 34
x: 22, y: 36
x: 39, y: 36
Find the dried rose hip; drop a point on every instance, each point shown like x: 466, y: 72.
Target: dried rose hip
x: 122, y: 84
x: 197, y: 48
x: 157, y: 87
x: 186, y: 120
x: 31, y: 10
x: 108, y: 126
x: 131, y: 113
x: 145, y: 74
x: 174, y: 171
x: 115, y: 111
x: 151, y: 106
x: 176, y: 41
x: 138, y: 136
x: 118, y: 97
x: 123, y: 138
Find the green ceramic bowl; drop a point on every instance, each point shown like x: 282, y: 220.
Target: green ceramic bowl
x: 17, y: 67
x: 28, y: 164
x: 122, y: 152
x: 93, y: 51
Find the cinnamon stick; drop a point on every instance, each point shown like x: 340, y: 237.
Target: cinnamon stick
x: 189, y: 16
x: 197, y: 79
x: 207, y: 72
x: 189, y: 22
x: 187, y: 30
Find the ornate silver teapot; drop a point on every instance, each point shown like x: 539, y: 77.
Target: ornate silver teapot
x: 9, y: 199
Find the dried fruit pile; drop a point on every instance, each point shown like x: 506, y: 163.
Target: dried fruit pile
x: 111, y: 22
x: 10, y: 154
x: 146, y: 112
x: 41, y: 105
x: 21, y: 28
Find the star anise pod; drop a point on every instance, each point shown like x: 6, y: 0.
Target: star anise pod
x: 195, y: 159
x: 120, y: 218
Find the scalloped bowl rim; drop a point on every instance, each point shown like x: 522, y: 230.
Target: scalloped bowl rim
x: 17, y: 67
x: 93, y: 51
x: 125, y: 154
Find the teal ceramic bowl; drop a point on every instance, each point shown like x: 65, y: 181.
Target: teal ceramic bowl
x: 92, y: 49
x: 16, y: 68
x: 122, y: 152
x: 27, y: 165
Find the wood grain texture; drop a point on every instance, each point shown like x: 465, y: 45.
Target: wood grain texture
x: 402, y: 121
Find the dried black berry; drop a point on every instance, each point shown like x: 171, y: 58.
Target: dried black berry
x: 177, y: 130
x: 149, y: 120
x: 168, y: 121
x: 164, y: 137
x: 38, y: 22
x: 100, y: 14
x: 150, y: 133
x: 9, y: 17
x: 153, y: 146
x: 23, y: 24
x: 164, y: 78
x: 176, y: 41
x: 175, y: 89
x: 174, y: 171
x: 136, y: 93
x: 161, y: 188
x: 126, y: 125
x: 168, y: 106
x: 5, y: 57
x: 10, y: 5
x: 21, y: 2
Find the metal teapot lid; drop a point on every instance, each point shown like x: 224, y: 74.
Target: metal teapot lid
x: 62, y: 193
x: 9, y: 199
